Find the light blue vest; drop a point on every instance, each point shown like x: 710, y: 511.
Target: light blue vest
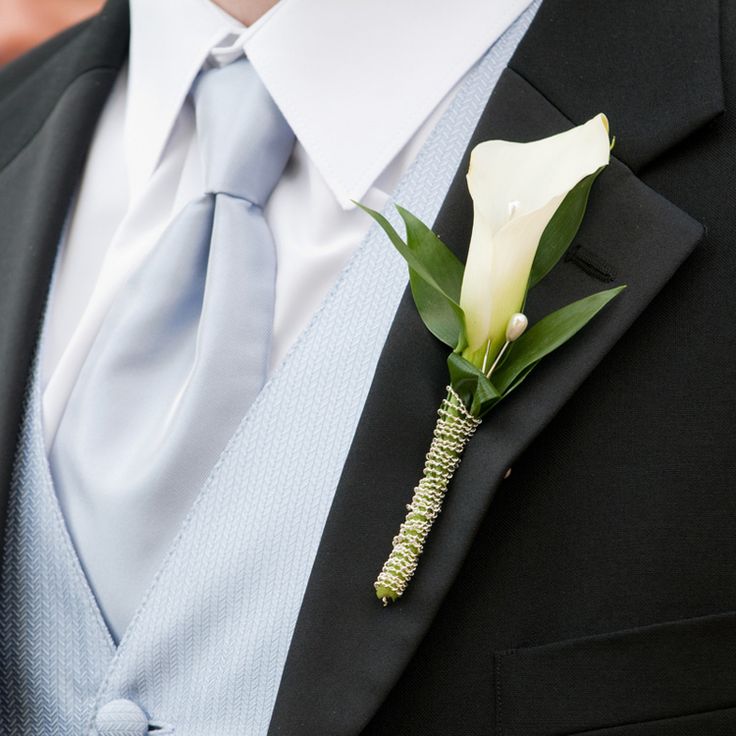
x: 205, y: 651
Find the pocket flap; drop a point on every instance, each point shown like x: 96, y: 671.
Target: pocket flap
x: 658, y: 671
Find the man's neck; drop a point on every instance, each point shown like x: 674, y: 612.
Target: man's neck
x: 246, y: 11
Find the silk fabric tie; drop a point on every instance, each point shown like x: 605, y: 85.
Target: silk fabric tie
x: 181, y: 355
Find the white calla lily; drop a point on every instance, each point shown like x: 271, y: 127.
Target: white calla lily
x: 516, y: 189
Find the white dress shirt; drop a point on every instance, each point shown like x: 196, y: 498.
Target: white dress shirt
x: 361, y: 85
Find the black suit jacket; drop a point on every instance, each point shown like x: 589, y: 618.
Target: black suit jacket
x: 594, y: 590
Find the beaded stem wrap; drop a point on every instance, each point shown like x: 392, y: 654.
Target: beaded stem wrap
x: 455, y: 426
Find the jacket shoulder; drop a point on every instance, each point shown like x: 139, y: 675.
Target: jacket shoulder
x: 31, y: 86
x: 17, y: 73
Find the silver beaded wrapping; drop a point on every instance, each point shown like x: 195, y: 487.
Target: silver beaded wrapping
x: 455, y: 426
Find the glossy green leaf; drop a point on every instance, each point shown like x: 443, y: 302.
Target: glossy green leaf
x: 562, y: 229
x: 476, y: 391
x: 446, y: 268
x: 438, y: 314
x: 547, y: 335
x: 436, y: 276
x: 485, y: 398
x: 520, y: 378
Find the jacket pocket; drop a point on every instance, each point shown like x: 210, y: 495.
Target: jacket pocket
x: 630, y: 678
x: 715, y: 723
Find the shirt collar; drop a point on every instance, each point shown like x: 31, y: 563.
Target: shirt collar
x: 355, y: 80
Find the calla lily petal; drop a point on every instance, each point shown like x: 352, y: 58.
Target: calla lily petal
x: 516, y: 189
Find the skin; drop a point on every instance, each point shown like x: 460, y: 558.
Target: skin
x: 246, y: 11
x: 25, y: 23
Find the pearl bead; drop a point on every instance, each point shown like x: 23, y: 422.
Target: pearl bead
x: 516, y: 326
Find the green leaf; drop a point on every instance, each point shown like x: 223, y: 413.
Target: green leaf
x: 476, y: 391
x: 485, y: 397
x: 546, y: 336
x: 435, y: 273
x: 446, y: 268
x: 437, y: 313
x: 520, y: 378
x: 562, y: 229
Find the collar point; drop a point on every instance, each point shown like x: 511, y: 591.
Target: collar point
x: 349, y: 197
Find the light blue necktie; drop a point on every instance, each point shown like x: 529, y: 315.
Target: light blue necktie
x: 180, y: 357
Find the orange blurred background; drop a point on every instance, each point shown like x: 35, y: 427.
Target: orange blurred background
x: 26, y: 23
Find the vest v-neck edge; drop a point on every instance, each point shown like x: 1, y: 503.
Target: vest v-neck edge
x: 35, y: 409
x: 232, y: 443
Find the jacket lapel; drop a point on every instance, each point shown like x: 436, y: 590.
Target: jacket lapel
x: 348, y: 651
x: 46, y: 123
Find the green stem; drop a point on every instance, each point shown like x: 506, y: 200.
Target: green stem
x: 455, y: 426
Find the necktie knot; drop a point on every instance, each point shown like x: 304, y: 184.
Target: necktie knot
x: 244, y: 139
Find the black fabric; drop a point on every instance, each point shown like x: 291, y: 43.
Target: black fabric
x: 620, y: 514
x: 638, y: 675
x: 31, y: 86
x: 638, y: 231
x: 653, y: 67
x: 713, y: 723
x: 593, y: 590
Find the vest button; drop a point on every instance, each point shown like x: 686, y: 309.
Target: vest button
x: 121, y: 718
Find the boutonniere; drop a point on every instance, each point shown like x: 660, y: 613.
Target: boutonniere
x: 529, y: 200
